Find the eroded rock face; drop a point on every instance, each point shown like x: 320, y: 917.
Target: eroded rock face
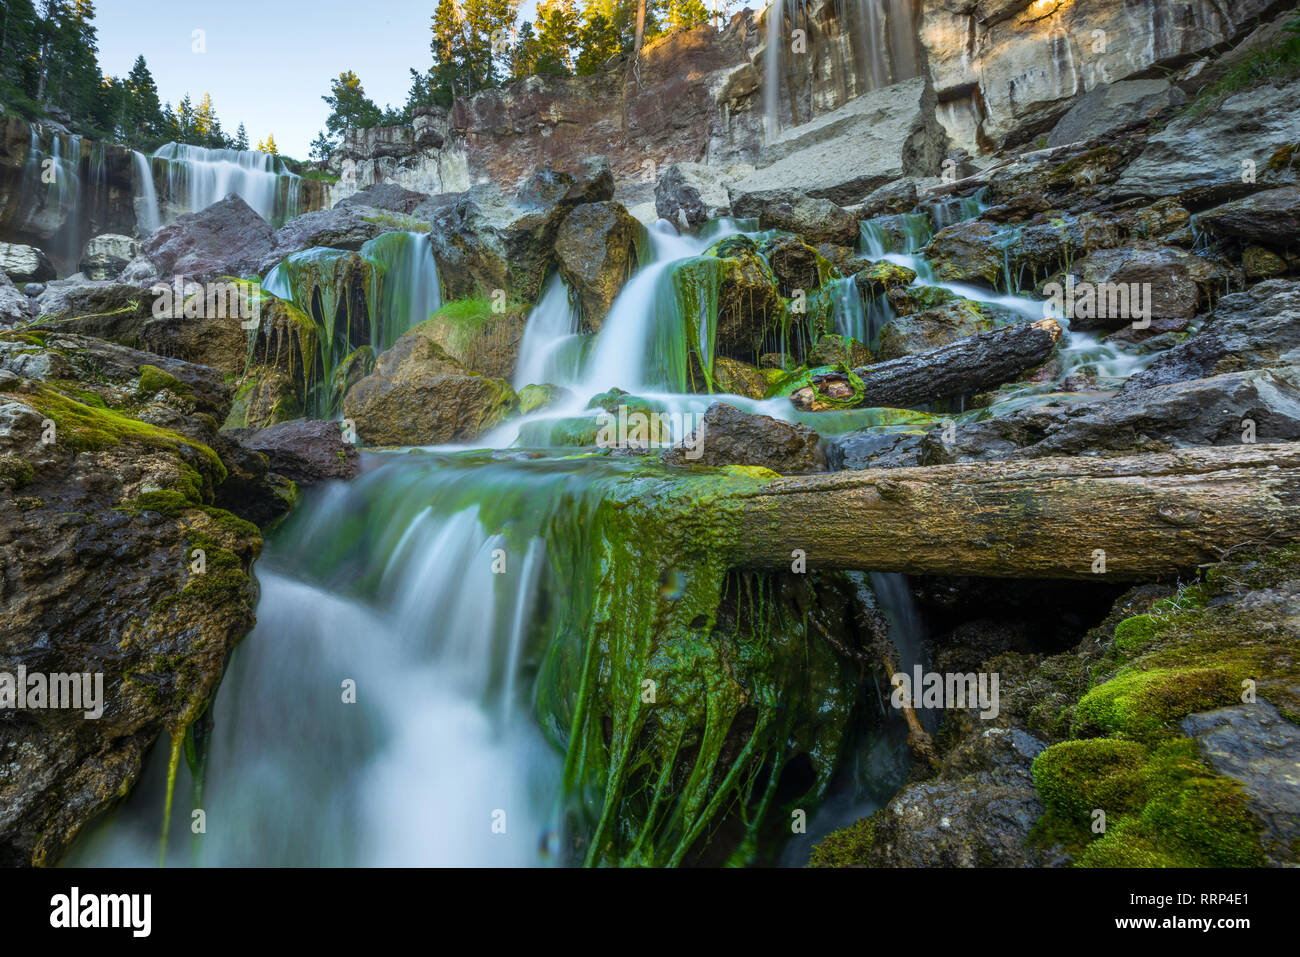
x: 748, y: 300
x: 485, y: 241
x: 845, y: 154
x: 1006, y: 72
x: 227, y: 239
x: 419, y: 395
x: 1113, y: 107
x: 1202, y: 157
x: 98, y: 531
x: 732, y: 437
x: 595, y: 250
x: 1258, y: 328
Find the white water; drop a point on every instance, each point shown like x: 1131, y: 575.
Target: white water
x: 547, y: 351
x: 147, y: 215
x: 772, y: 60
x: 197, y: 177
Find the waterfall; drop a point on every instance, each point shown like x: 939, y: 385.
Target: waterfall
x: 147, y: 215
x: 196, y: 177
x: 552, y: 348
x: 772, y: 69
x: 405, y: 289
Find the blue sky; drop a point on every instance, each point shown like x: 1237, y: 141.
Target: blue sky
x: 268, y: 63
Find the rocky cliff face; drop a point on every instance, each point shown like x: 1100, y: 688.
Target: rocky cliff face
x: 1005, y: 71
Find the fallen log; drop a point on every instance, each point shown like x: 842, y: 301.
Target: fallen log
x: 1131, y: 518
x: 972, y: 364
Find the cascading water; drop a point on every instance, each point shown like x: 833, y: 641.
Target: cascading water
x: 496, y: 612
x: 195, y: 177
x: 352, y: 301
x: 148, y: 217
x: 552, y: 347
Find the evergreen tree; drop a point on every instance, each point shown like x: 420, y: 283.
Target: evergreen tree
x: 350, y: 108
x: 20, y: 43
x: 321, y: 147
x: 241, y: 138
x: 557, y: 36
x: 269, y: 145
x: 143, y: 116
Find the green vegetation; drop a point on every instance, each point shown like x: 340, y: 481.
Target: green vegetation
x: 1272, y: 64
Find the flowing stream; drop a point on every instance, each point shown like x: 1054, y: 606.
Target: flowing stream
x: 419, y: 685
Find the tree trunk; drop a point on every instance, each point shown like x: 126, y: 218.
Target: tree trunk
x: 973, y: 364
x: 1131, y: 518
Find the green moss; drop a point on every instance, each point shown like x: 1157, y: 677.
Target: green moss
x: 1146, y: 702
x: 1076, y: 777
x: 1188, y: 817
x: 1065, y: 174
x: 154, y: 380
x: 85, y: 428
x: 848, y: 847
x: 398, y: 221
x: 15, y: 471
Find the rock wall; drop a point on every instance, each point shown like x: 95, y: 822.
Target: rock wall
x: 1005, y: 71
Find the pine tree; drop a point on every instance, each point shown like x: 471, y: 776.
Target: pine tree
x: 321, y: 147
x: 350, y: 108
x: 557, y: 36
x: 241, y: 138
x: 143, y: 117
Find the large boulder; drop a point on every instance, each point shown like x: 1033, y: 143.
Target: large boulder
x: 1271, y: 217
x: 690, y: 194
x: 15, y: 306
x: 1257, y: 328
x: 387, y: 196
x: 24, y: 264
x: 1219, y: 410
x: 595, y: 250
x: 308, y: 451
x: 99, y: 543
x: 843, y: 155
x: 347, y: 226
x: 728, y: 436
x: 1177, y: 282
x: 227, y: 239
x: 485, y: 240
x: 107, y: 255
x: 813, y: 220
x: 931, y: 328
x: 1114, y: 106
x: 419, y: 395
x: 749, y: 303
x: 1219, y: 153
x: 479, y: 338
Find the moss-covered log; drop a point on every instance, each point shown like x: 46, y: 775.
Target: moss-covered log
x: 1130, y: 518
x: 971, y: 364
